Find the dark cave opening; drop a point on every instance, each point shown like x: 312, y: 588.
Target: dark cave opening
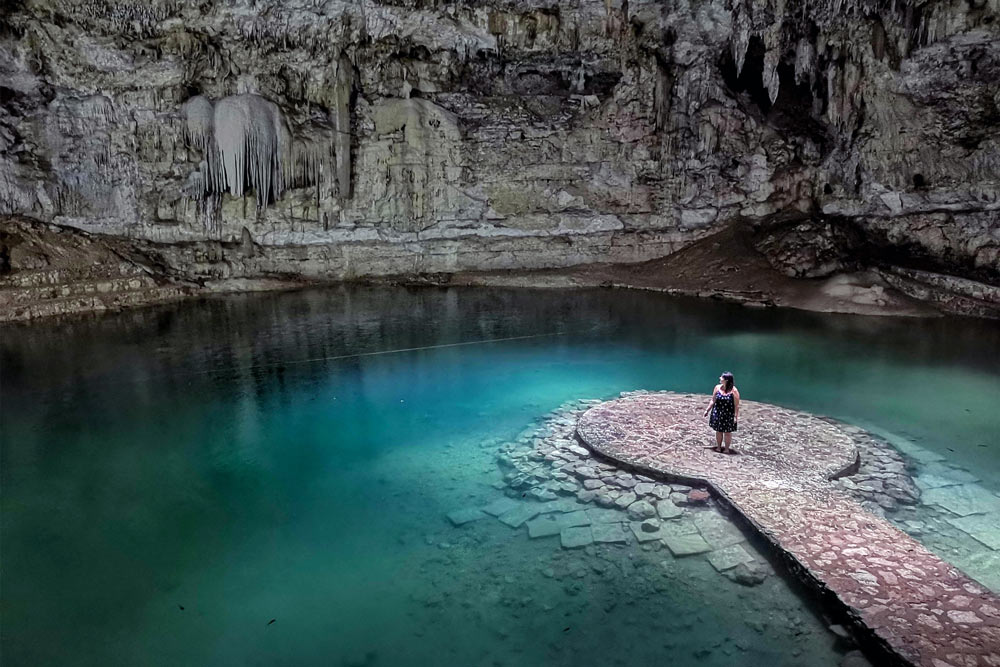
x: 751, y: 79
x: 7, y: 94
x: 793, y: 109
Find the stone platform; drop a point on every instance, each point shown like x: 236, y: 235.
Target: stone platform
x: 904, y: 603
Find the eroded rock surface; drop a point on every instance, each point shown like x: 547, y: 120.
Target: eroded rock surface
x: 403, y: 138
x: 47, y: 270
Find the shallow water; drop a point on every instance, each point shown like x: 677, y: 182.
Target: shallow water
x: 291, y: 457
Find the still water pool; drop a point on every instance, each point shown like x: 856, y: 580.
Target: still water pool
x: 263, y: 479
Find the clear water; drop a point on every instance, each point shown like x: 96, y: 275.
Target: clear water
x: 175, y: 478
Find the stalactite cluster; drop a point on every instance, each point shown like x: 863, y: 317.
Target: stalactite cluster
x: 247, y: 145
x: 611, y: 130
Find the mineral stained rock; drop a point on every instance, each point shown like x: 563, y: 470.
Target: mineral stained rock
x: 380, y: 137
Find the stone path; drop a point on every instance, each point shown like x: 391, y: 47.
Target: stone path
x: 906, y: 601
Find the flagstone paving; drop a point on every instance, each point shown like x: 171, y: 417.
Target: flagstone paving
x: 908, y: 602
x: 729, y: 557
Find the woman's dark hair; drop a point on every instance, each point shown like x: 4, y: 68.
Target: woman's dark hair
x: 727, y: 378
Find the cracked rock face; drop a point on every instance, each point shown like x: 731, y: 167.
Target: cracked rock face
x: 402, y: 137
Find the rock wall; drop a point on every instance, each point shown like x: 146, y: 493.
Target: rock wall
x: 349, y: 139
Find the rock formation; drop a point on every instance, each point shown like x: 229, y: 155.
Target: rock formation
x: 405, y: 137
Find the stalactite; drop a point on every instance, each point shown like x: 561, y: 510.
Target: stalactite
x: 773, y: 52
x: 254, y: 146
x: 805, y: 57
x: 769, y: 73
x: 247, y: 145
x: 99, y: 108
x: 740, y: 43
x: 661, y: 95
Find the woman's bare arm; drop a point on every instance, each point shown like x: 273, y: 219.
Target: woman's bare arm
x: 712, y: 402
x: 736, y: 404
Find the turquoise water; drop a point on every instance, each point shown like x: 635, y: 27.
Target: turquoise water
x: 175, y: 478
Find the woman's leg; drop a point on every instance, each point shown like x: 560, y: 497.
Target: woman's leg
x: 729, y: 441
x: 718, y: 440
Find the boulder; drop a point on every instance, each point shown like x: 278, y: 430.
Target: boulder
x: 747, y: 575
x: 641, y: 509
x: 665, y: 509
x: 625, y: 499
x: 697, y: 497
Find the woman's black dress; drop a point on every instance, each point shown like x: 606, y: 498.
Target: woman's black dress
x: 723, y: 417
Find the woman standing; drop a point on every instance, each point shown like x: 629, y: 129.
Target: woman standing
x: 725, y: 409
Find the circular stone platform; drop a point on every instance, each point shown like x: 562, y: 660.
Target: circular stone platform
x: 792, y: 448
x: 909, y: 605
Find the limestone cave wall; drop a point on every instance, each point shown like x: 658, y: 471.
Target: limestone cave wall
x: 386, y: 137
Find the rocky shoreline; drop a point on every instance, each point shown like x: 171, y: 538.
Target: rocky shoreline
x: 732, y: 265
x: 48, y: 271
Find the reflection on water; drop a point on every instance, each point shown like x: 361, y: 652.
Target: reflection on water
x: 270, y: 456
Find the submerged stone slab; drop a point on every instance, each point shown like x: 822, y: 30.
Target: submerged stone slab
x: 625, y: 499
x: 679, y: 527
x: 937, y: 474
x: 908, y: 447
x: 945, y: 471
x: 517, y: 516
x: 544, y: 526
x: 577, y: 518
x: 983, y: 527
x: 642, y: 535
x: 500, y: 506
x: 548, y: 525
x: 465, y: 515
x: 963, y: 499
x: 984, y: 567
x: 686, y: 545
x: 564, y: 505
x: 729, y: 557
x: 717, y: 530
x: 576, y: 537
x: 931, y: 481
x: 605, y: 515
x: 899, y: 596
x: 608, y: 532
x: 920, y: 454
x: 666, y: 509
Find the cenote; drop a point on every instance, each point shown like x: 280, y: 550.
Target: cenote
x: 264, y: 479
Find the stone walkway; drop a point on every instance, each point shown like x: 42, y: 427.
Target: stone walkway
x: 907, y: 602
